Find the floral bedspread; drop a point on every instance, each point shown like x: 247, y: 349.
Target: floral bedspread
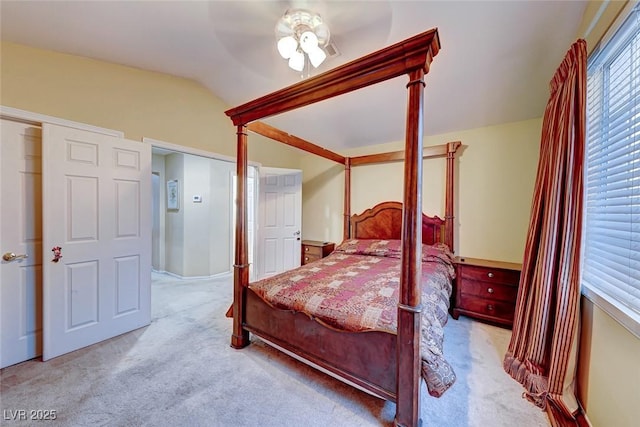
x: 355, y: 289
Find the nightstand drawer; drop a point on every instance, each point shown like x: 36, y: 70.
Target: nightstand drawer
x: 491, y: 310
x: 491, y: 275
x: 306, y: 258
x: 312, y: 251
x: 493, y: 291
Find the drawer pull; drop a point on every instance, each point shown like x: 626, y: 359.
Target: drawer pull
x: 490, y: 290
x: 306, y: 258
x: 306, y: 249
x: 490, y: 274
x: 490, y: 307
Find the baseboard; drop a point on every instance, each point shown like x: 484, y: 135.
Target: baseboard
x: 177, y: 276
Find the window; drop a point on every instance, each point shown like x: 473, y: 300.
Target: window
x: 611, y: 251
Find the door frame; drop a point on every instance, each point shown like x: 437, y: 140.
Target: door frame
x: 156, y: 143
x: 38, y: 119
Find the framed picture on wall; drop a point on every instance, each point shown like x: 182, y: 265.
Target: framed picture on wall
x: 173, y: 199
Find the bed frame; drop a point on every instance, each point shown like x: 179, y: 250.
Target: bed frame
x: 384, y: 364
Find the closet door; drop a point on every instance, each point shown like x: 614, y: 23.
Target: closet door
x: 20, y: 235
x: 97, y: 210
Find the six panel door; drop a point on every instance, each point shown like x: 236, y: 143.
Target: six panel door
x: 97, y: 209
x: 280, y: 220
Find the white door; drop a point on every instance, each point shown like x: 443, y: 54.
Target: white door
x: 279, y: 220
x: 20, y: 234
x: 97, y: 208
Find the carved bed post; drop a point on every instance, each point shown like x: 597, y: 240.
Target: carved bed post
x: 409, y: 306
x: 452, y: 147
x: 347, y: 198
x: 240, y: 336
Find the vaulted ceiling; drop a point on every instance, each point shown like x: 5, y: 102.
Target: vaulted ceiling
x: 496, y: 61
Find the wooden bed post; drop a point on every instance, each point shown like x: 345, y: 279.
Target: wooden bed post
x: 240, y: 336
x: 347, y: 198
x: 452, y: 147
x: 409, y: 306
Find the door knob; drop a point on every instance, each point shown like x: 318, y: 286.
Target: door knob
x: 10, y: 256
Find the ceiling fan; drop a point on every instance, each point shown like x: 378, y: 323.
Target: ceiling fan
x: 247, y: 30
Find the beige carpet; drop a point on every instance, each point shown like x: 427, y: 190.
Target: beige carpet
x: 180, y: 371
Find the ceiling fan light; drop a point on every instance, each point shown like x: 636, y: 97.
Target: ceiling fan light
x: 301, y: 37
x: 287, y: 46
x: 317, y: 57
x: 297, y: 61
x: 308, y: 41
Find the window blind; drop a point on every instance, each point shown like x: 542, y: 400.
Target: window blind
x: 611, y: 245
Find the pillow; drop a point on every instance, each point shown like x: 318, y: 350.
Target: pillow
x: 376, y: 247
x: 437, y: 252
x: 393, y: 249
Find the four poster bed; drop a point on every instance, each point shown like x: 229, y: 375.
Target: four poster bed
x: 393, y: 271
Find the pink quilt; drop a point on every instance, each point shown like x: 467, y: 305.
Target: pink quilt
x: 355, y: 289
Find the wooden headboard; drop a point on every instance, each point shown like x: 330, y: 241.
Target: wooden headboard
x: 384, y: 221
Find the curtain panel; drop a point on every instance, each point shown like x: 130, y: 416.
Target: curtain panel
x: 543, y: 347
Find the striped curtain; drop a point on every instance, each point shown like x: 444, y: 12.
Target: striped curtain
x: 542, y: 352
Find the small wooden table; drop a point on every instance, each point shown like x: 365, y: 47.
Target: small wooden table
x: 486, y: 290
x: 313, y: 250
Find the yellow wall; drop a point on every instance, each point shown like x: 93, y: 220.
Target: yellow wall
x: 609, y: 357
x: 608, y: 369
x: 139, y: 103
x: 496, y: 173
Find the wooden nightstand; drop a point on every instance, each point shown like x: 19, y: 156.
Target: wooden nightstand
x: 313, y: 250
x: 486, y: 290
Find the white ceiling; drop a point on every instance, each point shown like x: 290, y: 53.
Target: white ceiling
x: 496, y: 61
